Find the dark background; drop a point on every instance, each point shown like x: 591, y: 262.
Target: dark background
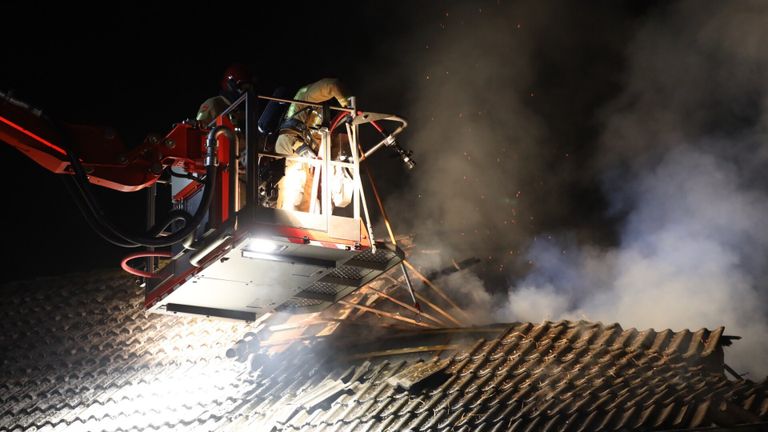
x: 140, y: 71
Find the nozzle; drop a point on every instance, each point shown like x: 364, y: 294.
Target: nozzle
x: 405, y: 156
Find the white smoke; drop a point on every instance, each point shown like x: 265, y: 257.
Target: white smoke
x: 683, y: 261
x: 684, y: 152
x: 468, y: 290
x: 475, y: 141
x: 677, y: 147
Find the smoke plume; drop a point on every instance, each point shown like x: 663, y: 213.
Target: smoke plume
x: 675, y: 150
x: 682, y: 150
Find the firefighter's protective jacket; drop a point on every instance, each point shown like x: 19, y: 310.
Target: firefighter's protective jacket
x: 317, y: 92
x: 211, y: 108
x: 294, y: 190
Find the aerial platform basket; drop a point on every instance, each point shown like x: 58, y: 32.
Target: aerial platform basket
x: 250, y: 258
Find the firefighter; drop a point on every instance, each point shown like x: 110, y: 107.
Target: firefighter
x: 235, y: 81
x: 297, y: 139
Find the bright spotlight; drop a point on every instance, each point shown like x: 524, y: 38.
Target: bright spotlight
x: 260, y: 245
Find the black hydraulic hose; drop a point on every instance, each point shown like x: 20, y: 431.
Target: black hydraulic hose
x: 211, y: 165
x: 151, y: 241
x: 173, y: 216
x: 92, y: 213
x: 184, y: 176
x: 74, y: 191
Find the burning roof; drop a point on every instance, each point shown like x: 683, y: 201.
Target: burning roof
x: 80, y: 353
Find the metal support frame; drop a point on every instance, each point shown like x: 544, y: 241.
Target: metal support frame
x: 151, y: 262
x: 361, y: 191
x: 252, y: 165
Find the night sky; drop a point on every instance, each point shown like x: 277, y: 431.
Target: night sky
x: 139, y: 71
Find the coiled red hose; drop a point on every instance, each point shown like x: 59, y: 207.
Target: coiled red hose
x: 143, y: 254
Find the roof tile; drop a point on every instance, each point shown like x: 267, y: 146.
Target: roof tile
x: 97, y: 362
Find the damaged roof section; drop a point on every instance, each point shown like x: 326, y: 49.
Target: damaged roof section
x: 551, y: 376
x: 419, y: 373
x: 80, y: 353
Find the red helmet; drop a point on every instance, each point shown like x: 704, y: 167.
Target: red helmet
x: 236, y: 73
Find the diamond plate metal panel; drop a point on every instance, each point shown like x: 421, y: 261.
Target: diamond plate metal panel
x: 296, y: 303
x: 351, y: 273
x: 324, y: 288
x: 381, y: 256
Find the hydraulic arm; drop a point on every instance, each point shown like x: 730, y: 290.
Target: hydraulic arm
x: 100, y: 151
